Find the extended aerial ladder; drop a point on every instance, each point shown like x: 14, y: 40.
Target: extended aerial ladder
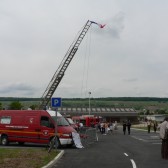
x: 56, y: 79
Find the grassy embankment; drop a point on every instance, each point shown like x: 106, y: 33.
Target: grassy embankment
x: 140, y: 126
x: 25, y: 158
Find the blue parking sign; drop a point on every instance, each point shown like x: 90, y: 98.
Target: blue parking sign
x: 56, y: 102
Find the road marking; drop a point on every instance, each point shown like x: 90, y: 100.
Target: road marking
x: 133, y: 163
x: 159, y: 143
x: 125, y: 154
x: 139, y: 139
x: 154, y: 136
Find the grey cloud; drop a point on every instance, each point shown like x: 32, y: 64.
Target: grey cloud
x: 17, y: 88
x: 130, y: 80
x: 131, y: 48
x: 116, y: 25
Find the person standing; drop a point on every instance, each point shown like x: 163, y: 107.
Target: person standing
x: 106, y: 128
x: 149, y: 125
x: 163, y: 128
x: 155, y: 126
x: 102, y: 127
x: 124, y: 127
x: 80, y: 126
x: 111, y: 127
x: 99, y: 126
x: 129, y: 127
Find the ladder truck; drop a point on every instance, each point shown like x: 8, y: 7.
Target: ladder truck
x: 57, y: 77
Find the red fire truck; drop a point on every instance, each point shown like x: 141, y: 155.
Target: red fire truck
x: 87, y: 120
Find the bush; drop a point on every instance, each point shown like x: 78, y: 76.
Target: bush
x: 15, y: 106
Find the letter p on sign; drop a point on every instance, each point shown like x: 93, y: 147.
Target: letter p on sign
x: 56, y: 102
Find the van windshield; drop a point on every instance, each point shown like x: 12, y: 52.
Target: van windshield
x: 61, y: 121
x: 70, y: 121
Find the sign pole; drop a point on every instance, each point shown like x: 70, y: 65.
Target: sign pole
x: 56, y: 128
x: 56, y: 102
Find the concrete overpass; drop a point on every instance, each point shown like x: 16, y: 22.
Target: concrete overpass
x: 110, y: 114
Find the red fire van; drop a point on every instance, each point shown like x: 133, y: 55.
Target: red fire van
x: 35, y: 126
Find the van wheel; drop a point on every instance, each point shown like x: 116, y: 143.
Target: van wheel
x: 70, y: 145
x: 4, y: 140
x: 21, y: 143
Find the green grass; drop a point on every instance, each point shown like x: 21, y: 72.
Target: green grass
x: 26, y: 158
x: 143, y: 127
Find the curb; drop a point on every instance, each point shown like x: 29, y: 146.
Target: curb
x: 51, y: 163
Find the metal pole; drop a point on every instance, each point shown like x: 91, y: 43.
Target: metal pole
x: 144, y: 110
x: 56, y: 129
x: 89, y: 102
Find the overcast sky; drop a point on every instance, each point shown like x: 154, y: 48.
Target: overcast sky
x: 128, y: 57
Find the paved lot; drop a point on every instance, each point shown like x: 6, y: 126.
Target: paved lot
x: 117, y: 151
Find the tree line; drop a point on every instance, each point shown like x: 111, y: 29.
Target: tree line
x: 164, y: 99
x: 159, y: 105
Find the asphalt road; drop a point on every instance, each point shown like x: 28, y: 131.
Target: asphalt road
x: 138, y: 150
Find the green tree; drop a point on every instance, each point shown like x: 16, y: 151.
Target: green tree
x: 33, y: 107
x: 0, y: 106
x: 16, y: 105
x: 160, y: 111
x: 147, y: 112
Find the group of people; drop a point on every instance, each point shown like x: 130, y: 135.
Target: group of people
x: 163, y: 131
x: 107, y: 127
x: 153, y: 124
x: 127, y: 125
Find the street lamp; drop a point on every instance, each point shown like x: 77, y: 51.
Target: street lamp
x: 144, y: 110
x: 89, y: 101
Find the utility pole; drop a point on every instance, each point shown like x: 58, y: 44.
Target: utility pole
x: 89, y: 102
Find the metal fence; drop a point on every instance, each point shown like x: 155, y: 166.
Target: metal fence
x: 88, y: 135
